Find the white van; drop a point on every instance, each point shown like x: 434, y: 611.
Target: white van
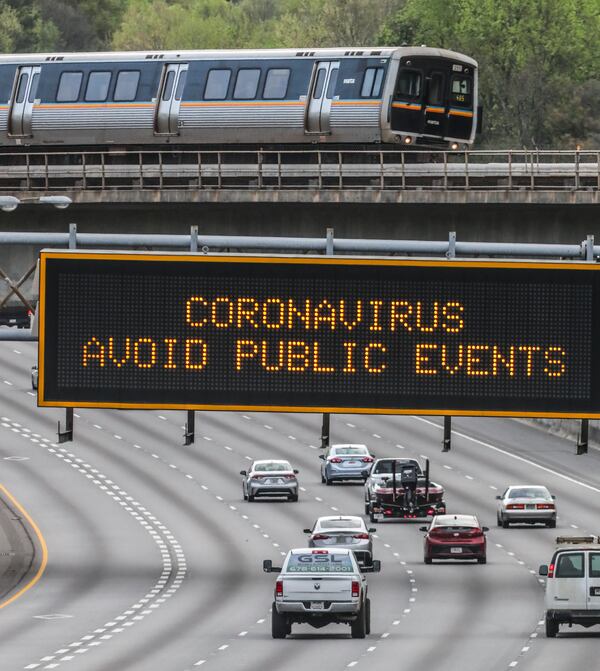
x: 573, y: 583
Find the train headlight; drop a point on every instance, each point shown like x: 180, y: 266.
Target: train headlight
x: 454, y: 146
x: 408, y: 139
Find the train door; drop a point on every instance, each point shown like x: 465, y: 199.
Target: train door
x: 21, y: 108
x: 169, y: 98
x: 435, y: 117
x: 321, y: 95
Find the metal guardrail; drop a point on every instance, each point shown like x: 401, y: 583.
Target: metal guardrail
x: 318, y: 169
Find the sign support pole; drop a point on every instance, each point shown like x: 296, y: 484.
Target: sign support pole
x: 582, y: 441
x: 190, y: 428
x: 66, y: 435
x: 325, y: 426
x: 447, y: 442
x: 189, y: 435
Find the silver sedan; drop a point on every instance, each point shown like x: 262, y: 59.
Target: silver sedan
x: 343, y: 531
x: 270, y: 477
x: 526, y: 504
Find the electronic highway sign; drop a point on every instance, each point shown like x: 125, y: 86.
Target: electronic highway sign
x: 322, y: 334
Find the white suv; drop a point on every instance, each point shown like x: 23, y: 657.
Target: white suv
x: 573, y: 583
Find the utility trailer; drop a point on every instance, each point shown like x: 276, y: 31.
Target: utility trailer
x: 407, y: 493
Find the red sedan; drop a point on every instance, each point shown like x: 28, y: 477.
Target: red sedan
x: 455, y: 537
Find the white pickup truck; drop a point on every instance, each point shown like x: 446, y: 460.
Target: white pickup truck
x: 318, y: 587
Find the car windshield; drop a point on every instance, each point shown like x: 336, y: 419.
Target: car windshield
x: 342, y: 451
x: 272, y: 466
x: 315, y: 562
x: 528, y: 493
x: 386, y: 466
x: 341, y: 524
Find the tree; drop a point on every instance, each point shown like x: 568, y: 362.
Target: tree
x: 532, y: 56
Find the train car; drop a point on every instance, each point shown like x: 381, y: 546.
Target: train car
x: 347, y: 97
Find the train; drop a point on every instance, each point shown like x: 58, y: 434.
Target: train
x: 407, y: 96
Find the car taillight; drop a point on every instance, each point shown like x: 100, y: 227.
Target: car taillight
x: 279, y: 588
x: 551, y: 571
x: 335, y: 460
x: 545, y: 506
x: 367, y: 460
x: 362, y: 537
x: 515, y: 506
x: 320, y: 537
x: 355, y: 588
x: 320, y: 552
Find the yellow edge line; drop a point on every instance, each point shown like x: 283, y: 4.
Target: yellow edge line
x: 42, y: 542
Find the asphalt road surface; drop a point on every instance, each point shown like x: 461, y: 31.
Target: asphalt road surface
x: 154, y: 559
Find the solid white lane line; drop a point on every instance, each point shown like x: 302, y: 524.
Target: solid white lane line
x: 513, y: 456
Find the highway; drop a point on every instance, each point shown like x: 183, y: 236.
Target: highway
x: 154, y: 559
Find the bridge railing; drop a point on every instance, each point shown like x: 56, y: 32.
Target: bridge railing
x: 318, y: 169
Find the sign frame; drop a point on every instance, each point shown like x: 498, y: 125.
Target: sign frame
x: 190, y: 257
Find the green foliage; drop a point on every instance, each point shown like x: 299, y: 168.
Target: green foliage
x: 534, y: 56
x: 538, y: 59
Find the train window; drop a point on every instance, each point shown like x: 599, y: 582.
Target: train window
x: 127, y: 85
x: 97, y: 86
x: 168, y: 88
x: 435, y: 94
x: 276, y: 84
x: 318, y: 90
x: 69, y: 87
x: 409, y: 84
x: 371, y: 85
x: 22, y: 87
x: 246, y: 84
x: 33, y: 87
x: 333, y: 75
x: 180, y: 85
x: 461, y: 90
x: 217, y: 84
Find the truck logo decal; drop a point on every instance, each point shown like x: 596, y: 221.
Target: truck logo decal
x: 317, y: 585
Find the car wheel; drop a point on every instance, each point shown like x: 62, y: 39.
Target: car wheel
x: 367, y: 508
x: 482, y: 560
x: 279, y: 626
x: 505, y: 524
x: 551, y: 627
x: 359, y: 626
x: 322, y: 478
x: 327, y: 481
x: 368, y: 616
x: 372, y: 517
x: 250, y: 498
x: 244, y: 495
x: 551, y: 524
x: 498, y: 520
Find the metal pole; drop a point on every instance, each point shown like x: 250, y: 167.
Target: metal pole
x: 582, y: 442
x: 190, y: 428
x: 447, y: 443
x: 66, y: 435
x: 325, y: 430
x: 325, y: 426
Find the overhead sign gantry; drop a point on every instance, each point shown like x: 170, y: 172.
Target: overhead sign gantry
x: 319, y: 334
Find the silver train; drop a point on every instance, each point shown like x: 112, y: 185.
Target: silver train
x: 388, y: 95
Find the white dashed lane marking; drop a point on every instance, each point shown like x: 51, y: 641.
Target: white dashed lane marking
x: 174, y: 565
